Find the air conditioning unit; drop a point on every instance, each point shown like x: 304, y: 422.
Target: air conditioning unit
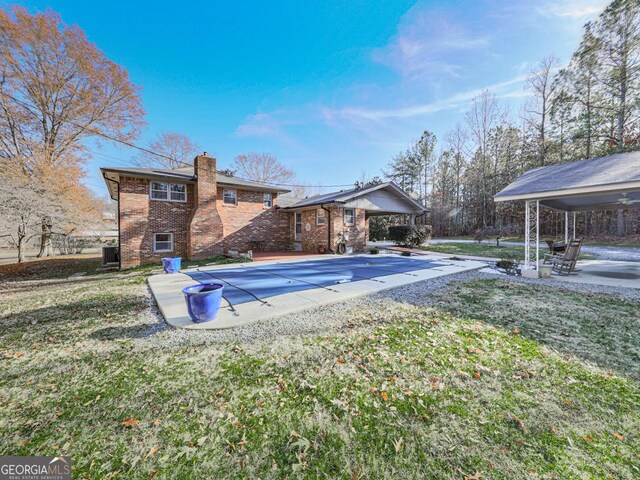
x: 110, y: 256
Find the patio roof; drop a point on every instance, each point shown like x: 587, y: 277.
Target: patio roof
x: 382, y: 199
x: 605, y: 183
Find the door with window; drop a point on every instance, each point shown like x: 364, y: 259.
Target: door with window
x: 298, y: 226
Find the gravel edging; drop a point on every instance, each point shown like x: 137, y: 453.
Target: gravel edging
x: 333, y: 317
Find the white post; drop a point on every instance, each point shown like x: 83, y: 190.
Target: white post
x: 566, y: 227
x: 574, y: 225
x: 537, y: 234
x: 527, y: 230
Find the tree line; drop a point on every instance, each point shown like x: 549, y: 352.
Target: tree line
x: 584, y: 109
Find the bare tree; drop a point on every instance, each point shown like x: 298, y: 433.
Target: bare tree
x: 23, y: 204
x: 57, y: 89
x: 484, y: 116
x: 540, y: 105
x: 262, y: 167
x: 180, y: 149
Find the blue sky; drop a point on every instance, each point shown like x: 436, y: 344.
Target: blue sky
x: 334, y: 88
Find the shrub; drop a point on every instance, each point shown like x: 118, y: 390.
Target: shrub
x: 378, y: 229
x: 405, y: 254
x: 409, y: 235
x: 374, y: 251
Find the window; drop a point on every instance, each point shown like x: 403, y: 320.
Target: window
x: 267, y: 200
x: 349, y: 216
x: 229, y: 197
x: 174, y: 192
x: 159, y: 191
x: 321, y: 217
x: 178, y: 192
x: 162, y: 242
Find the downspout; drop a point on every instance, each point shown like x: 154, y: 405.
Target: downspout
x: 328, y: 228
x: 119, y: 244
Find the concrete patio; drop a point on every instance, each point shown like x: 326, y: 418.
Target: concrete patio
x: 604, y: 272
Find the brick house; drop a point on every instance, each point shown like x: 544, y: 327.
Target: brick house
x: 197, y: 212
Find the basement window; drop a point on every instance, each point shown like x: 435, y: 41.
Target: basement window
x: 171, y: 192
x: 229, y: 197
x: 162, y: 242
x: 267, y: 200
x: 321, y: 217
x: 349, y: 216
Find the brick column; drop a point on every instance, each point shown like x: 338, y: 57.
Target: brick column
x: 205, y: 226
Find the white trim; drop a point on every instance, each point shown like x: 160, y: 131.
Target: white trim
x: 571, y: 192
x: 324, y: 217
x: 235, y: 196
x: 168, y: 185
x: 155, y: 250
x: 345, y: 216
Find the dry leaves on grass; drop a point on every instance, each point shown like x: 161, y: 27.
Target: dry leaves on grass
x: 130, y: 422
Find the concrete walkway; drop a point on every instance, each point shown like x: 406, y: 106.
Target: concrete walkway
x: 167, y: 290
x: 604, y: 272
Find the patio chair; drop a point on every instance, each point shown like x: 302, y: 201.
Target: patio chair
x: 566, y: 263
x: 556, y: 248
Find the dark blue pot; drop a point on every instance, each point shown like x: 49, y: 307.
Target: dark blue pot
x: 203, y: 301
x: 172, y: 264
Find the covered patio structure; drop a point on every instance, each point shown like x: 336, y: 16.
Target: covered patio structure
x: 605, y: 183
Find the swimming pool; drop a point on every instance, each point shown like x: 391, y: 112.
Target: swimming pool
x: 244, y: 284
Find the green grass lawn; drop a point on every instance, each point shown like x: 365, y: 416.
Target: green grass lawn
x: 491, y: 379
x: 486, y: 249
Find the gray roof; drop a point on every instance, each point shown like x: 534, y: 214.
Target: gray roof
x: 344, y: 196
x: 287, y: 200
x: 185, y: 174
x: 595, y: 174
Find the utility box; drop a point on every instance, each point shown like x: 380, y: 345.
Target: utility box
x: 110, y: 256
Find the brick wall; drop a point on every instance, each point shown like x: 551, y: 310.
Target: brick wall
x: 317, y: 235
x: 141, y: 217
x: 205, y: 226
x: 250, y: 220
x: 210, y: 230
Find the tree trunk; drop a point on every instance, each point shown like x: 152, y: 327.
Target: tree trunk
x: 620, y: 227
x: 21, y: 247
x: 46, y: 249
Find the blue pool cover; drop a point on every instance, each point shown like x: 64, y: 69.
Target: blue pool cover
x: 247, y: 284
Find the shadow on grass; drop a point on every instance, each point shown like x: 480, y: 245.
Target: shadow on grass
x: 127, y: 331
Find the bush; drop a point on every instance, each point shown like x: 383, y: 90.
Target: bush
x: 374, y: 251
x: 378, y: 229
x: 409, y: 235
x: 405, y: 254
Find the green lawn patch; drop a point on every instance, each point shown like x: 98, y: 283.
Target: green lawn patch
x: 495, y: 379
x: 486, y: 249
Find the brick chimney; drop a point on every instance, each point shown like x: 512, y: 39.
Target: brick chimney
x: 205, y: 228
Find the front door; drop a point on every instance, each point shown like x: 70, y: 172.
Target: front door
x: 298, y: 226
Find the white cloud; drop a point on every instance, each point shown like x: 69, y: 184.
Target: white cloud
x: 457, y: 100
x: 424, y: 44
x: 572, y: 9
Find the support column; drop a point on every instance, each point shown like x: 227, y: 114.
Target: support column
x: 574, y: 225
x: 531, y: 226
x: 566, y: 227
x: 527, y: 239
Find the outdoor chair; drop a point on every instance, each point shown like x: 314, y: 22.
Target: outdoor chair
x: 556, y: 248
x: 566, y: 263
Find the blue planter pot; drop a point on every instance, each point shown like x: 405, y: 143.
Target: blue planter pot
x: 172, y: 264
x: 203, y: 301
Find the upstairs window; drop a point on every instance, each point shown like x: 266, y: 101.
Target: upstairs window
x: 229, y: 197
x: 321, y: 217
x: 349, y: 216
x: 267, y: 200
x: 172, y: 192
x: 162, y: 242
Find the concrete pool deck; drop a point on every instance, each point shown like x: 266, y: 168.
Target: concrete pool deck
x: 167, y: 291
